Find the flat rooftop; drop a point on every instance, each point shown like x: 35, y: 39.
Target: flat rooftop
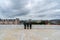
x: 38, y: 32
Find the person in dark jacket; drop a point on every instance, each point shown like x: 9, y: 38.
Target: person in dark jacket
x: 24, y: 24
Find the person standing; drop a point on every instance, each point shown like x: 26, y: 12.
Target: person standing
x: 27, y: 24
x: 30, y: 24
x: 24, y: 24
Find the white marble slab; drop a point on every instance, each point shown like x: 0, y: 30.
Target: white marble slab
x: 15, y: 32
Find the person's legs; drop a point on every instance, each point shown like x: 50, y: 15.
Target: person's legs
x: 27, y: 26
x: 24, y: 26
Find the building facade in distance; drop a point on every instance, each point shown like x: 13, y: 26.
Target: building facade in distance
x: 9, y: 21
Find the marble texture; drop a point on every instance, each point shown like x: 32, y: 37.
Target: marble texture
x: 33, y: 34
x: 46, y: 32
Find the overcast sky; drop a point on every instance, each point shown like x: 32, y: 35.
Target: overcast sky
x: 30, y: 9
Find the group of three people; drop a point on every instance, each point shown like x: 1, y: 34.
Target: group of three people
x: 27, y: 24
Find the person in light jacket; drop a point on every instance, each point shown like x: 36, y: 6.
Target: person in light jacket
x: 30, y: 24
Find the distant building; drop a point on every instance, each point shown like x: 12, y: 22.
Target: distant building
x: 55, y: 22
x: 9, y: 21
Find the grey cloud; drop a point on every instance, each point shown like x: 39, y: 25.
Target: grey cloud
x: 20, y: 14
x: 41, y: 8
x: 41, y: 16
x: 18, y: 4
x: 57, y: 14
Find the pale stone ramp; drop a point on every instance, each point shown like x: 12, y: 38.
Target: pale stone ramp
x: 33, y: 34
